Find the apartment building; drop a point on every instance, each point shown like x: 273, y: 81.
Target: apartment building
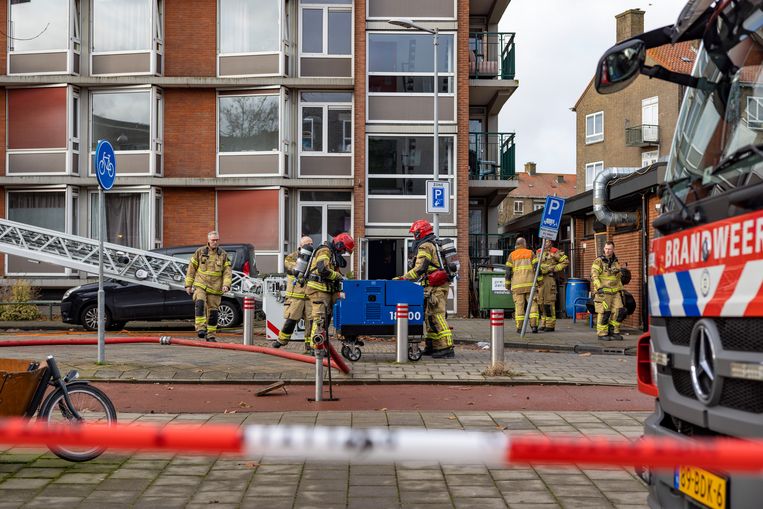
x: 632, y: 128
x: 263, y: 119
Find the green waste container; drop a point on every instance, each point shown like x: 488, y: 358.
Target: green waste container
x: 493, y: 293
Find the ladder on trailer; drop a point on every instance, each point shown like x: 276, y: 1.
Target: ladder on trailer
x: 119, y: 262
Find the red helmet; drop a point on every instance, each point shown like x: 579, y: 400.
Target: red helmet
x: 420, y: 229
x: 344, y: 243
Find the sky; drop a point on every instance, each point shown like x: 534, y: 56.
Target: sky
x: 556, y: 58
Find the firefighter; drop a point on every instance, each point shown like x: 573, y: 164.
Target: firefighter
x: 606, y: 277
x: 426, y: 267
x: 520, y: 272
x: 324, y: 281
x: 553, y: 262
x: 296, y: 307
x: 208, y: 278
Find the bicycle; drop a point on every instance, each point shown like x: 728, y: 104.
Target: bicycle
x: 106, y: 166
x: 71, y: 401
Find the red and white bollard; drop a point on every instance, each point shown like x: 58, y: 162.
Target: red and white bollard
x: 402, y: 332
x: 496, y: 337
x: 248, y: 320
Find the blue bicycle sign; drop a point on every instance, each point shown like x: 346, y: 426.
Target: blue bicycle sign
x: 105, y: 164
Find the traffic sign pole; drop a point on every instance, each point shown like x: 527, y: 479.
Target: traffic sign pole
x: 532, y: 292
x: 101, y: 294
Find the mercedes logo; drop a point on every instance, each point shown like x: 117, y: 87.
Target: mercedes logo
x: 704, y: 283
x: 704, y: 345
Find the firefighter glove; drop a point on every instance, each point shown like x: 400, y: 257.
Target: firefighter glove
x: 189, y: 290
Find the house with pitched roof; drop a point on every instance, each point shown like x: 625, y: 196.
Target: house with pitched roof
x: 531, y: 191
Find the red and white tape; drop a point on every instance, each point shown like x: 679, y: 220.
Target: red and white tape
x: 383, y: 445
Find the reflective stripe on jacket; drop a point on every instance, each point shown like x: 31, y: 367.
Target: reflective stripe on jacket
x: 426, y: 263
x: 210, y: 270
x: 521, y: 269
x: 293, y: 290
x: 553, y: 261
x: 605, y: 273
x: 322, y: 254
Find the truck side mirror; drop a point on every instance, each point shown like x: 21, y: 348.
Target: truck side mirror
x: 619, y: 66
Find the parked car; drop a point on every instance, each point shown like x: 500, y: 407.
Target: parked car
x: 131, y: 301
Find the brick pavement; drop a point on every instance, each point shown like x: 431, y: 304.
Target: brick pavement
x: 35, y: 478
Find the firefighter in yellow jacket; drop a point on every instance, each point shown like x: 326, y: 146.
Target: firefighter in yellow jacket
x: 520, y: 272
x: 606, y: 278
x: 324, y: 281
x: 297, y: 306
x: 426, y: 267
x: 208, y: 278
x: 552, y: 263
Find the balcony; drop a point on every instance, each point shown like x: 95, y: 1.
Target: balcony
x: 491, y: 69
x: 481, y: 245
x: 644, y: 135
x: 492, y: 165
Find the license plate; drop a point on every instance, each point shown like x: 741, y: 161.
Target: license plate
x: 702, y: 486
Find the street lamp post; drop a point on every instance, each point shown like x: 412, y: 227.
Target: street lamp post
x: 407, y: 23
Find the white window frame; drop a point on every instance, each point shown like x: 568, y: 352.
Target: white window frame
x: 452, y: 178
x: 72, y: 51
x: 519, y: 207
x: 430, y: 96
x: 325, y: 206
x: 538, y: 206
x: 157, y: 42
x: 153, y: 193
x: 647, y: 104
x: 649, y: 157
x: 455, y: 12
x: 594, y: 137
x: 594, y: 171
x: 70, y: 147
x: 325, y: 8
x: 283, y: 38
x: 283, y: 129
x: 156, y: 128
x: 70, y: 192
x: 326, y: 106
x: 754, y: 112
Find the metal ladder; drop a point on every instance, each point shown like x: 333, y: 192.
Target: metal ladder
x: 119, y: 262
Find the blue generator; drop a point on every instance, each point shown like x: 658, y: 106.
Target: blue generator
x: 368, y: 308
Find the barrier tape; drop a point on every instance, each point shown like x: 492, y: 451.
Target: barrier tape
x: 384, y: 445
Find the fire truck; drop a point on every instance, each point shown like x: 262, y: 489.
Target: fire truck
x: 703, y: 356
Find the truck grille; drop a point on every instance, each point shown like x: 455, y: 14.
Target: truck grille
x: 744, y: 395
x: 737, y: 334
x: 682, y: 383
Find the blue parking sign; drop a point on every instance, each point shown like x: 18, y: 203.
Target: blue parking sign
x: 552, y: 218
x: 438, y: 196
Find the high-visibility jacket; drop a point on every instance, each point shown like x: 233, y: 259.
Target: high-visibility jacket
x: 210, y: 270
x: 553, y: 261
x: 605, y: 274
x: 293, y: 290
x: 426, y: 262
x: 520, y: 270
x: 323, y: 274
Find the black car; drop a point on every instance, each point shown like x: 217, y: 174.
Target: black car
x: 130, y: 301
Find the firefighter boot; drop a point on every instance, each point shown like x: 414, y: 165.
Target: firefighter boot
x: 428, y: 348
x: 445, y: 353
x: 535, y: 330
x: 201, y: 333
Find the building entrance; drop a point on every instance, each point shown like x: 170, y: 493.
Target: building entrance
x: 386, y: 258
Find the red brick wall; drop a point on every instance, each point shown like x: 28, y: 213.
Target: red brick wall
x: 462, y: 157
x: 190, y: 143
x: 3, y: 133
x: 190, y: 38
x: 359, y: 119
x: 628, y: 250
x: 189, y: 214
x: 4, y: 39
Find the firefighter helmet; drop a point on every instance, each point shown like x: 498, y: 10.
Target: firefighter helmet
x: 420, y: 229
x: 344, y: 243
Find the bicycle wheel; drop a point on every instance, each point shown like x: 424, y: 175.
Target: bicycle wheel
x: 92, y: 405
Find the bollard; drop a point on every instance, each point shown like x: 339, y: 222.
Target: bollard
x: 319, y: 373
x: 402, y: 332
x: 249, y: 321
x: 496, y: 337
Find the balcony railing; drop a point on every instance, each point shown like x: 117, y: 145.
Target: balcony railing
x: 481, y: 244
x: 491, y: 55
x: 491, y: 156
x: 642, y: 135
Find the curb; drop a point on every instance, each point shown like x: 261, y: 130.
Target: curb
x: 509, y: 382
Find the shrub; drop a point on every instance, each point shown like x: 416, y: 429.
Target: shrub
x: 22, y: 292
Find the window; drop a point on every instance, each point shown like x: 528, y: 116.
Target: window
x: 594, y: 127
x: 248, y: 123
x: 43, y: 37
x: 650, y: 119
x: 591, y: 170
x: 249, y: 26
x: 131, y: 120
x: 650, y: 157
x: 403, y: 64
x: 123, y: 29
x: 326, y: 123
x: 325, y: 30
x: 755, y: 112
x: 519, y: 207
x: 538, y: 206
x: 402, y: 165
x: 323, y: 215
x: 132, y: 216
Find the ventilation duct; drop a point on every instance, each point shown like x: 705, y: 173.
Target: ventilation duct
x: 600, y: 195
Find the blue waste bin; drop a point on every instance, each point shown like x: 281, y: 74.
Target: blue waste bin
x: 576, y: 288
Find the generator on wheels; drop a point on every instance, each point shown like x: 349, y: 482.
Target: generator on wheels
x: 368, y: 308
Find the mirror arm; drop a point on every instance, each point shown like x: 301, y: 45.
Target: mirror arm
x: 659, y: 72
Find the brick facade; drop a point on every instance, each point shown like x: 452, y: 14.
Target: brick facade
x: 189, y: 214
x: 359, y: 128
x: 190, y: 143
x: 462, y: 157
x: 190, y: 38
